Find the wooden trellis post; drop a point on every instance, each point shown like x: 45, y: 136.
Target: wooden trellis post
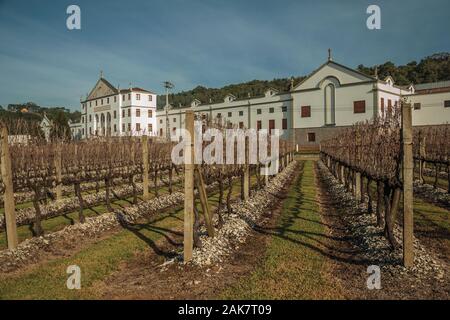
x: 189, y: 187
x: 58, y: 172
x: 246, y: 171
x: 408, y: 167
x: 357, y: 175
x: 145, y: 168
x: 204, y: 201
x: 421, y: 155
x: 8, y: 197
x: 266, y: 171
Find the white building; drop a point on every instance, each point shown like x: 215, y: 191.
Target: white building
x: 269, y: 111
x: 108, y: 110
x: 329, y: 99
x: 75, y: 130
x: 431, y: 103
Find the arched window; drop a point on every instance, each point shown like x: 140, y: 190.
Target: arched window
x: 330, y: 104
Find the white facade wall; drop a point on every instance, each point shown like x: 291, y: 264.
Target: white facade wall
x: 344, y: 112
x: 236, y: 112
x: 116, y: 114
x: 432, y: 108
x: 349, y: 86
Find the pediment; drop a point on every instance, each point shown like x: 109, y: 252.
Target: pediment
x: 340, y: 73
x: 102, y: 88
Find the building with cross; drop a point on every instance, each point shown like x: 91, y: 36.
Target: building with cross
x: 331, y: 98
x: 111, y: 111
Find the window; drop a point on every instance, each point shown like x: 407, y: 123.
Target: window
x: 90, y: 130
x: 258, y: 125
x: 241, y: 113
x: 129, y: 96
x: 447, y: 104
x: 271, y: 110
x: 129, y: 112
x: 258, y: 111
x: 311, y: 136
x: 219, y: 115
x: 138, y: 112
x: 382, y: 105
x: 115, y: 114
x: 96, y: 102
x: 150, y: 113
x: 123, y: 127
x: 129, y: 127
x: 90, y: 103
x: 149, y: 97
x: 359, y: 106
x: 241, y: 125
x: 150, y: 127
x: 90, y: 118
x: 123, y: 113
x: 306, y: 111
x: 123, y: 97
x: 138, y: 96
x: 107, y: 100
x: 160, y: 120
x: 82, y: 119
x: 101, y: 101
x: 283, y: 109
x: 389, y: 106
x: 174, y: 129
x: 174, y: 119
x: 417, y: 106
x: 161, y: 132
x: 230, y: 114
x: 284, y: 124
x: 115, y: 99
x: 115, y: 128
x: 138, y: 127
x: 271, y: 125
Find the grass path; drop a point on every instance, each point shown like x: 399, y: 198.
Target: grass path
x: 96, y: 261
x: 292, y: 268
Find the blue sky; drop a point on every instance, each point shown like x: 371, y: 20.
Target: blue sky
x: 209, y: 42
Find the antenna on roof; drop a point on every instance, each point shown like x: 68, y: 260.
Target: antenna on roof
x: 101, y: 74
x: 329, y: 55
x: 168, y: 85
x: 292, y: 83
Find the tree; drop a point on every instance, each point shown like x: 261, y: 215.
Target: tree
x: 60, y: 128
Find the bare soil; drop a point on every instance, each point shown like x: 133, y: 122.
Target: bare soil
x: 145, y: 278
